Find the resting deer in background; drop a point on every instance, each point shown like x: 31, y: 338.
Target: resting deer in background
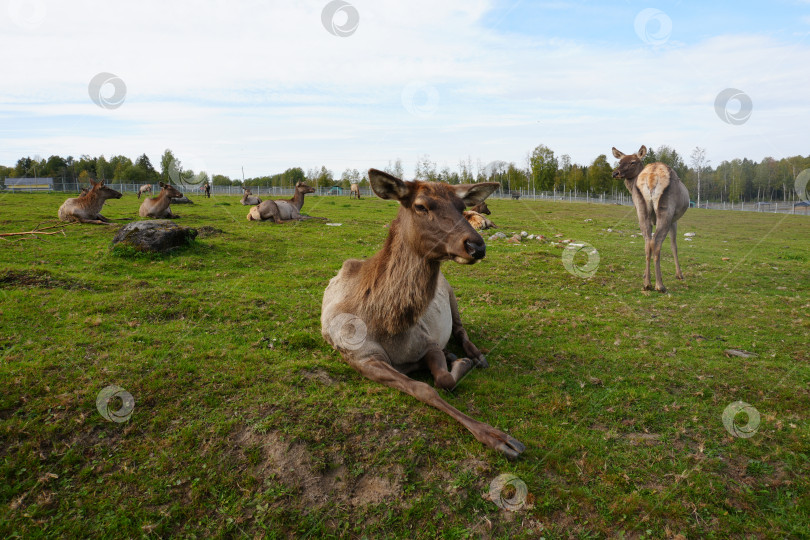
x: 158, y: 207
x: 660, y: 199
x: 481, y: 208
x: 146, y: 188
x: 248, y: 199
x: 86, y: 208
x: 478, y: 221
x: 354, y: 191
x: 395, y: 312
x: 282, y: 210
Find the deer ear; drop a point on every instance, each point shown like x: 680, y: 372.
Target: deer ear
x: 642, y: 151
x: 162, y: 184
x: 386, y: 186
x: 473, y: 194
x: 617, y: 154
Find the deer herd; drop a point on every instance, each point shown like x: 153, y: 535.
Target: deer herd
x: 395, y: 313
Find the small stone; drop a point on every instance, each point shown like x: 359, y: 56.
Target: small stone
x: 689, y: 234
x: 524, y: 234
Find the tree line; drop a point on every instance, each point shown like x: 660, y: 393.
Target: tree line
x: 542, y: 170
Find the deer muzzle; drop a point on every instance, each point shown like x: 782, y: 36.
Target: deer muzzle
x: 477, y: 250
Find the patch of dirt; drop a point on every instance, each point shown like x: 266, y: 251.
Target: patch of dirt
x: 292, y: 464
x: 375, y: 489
x: 206, y: 230
x: 38, y: 278
x: 318, y: 375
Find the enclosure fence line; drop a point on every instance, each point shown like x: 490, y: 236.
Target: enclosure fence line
x: 623, y: 199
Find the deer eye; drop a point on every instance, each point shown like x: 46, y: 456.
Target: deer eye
x: 420, y: 208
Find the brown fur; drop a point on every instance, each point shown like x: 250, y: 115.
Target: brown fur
x: 159, y: 206
x: 660, y: 199
x: 146, y: 188
x: 481, y: 208
x: 282, y: 210
x: 478, y: 221
x: 402, y: 303
x: 354, y: 191
x: 86, y: 208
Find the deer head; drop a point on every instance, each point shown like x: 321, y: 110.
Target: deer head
x: 103, y: 192
x: 303, y: 188
x: 629, y: 165
x: 481, y: 208
x: 170, y: 191
x: 430, y: 218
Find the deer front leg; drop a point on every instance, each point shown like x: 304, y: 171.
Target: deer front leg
x: 461, y: 336
x: 377, y: 369
x: 90, y: 221
x: 436, y: 360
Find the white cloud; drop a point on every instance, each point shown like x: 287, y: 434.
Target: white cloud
x: 265, y: 85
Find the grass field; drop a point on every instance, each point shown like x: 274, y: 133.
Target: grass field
x: 246, y: 423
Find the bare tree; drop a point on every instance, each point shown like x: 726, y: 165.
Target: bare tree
x: 698, y: 160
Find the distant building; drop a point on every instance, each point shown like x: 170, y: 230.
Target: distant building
x: 29, y: 184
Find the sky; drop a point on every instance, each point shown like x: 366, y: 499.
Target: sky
x: 262, y: 86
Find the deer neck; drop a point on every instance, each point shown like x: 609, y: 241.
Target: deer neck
x: 298, y: 199
x: 395, y: 286
x: 163, y: 200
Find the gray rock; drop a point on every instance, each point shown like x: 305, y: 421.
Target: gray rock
x: 157, y: 235
x: 182, y: 200
x: 497, y: 235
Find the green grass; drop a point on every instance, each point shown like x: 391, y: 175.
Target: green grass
x: 247, y: 424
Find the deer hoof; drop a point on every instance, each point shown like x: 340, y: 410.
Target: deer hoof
x: 661, y: 289
x: 511, y: 447
x: 647, y: 287
x: 481, y: 362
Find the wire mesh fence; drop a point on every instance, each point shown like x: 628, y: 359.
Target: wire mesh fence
x: 780, y: 207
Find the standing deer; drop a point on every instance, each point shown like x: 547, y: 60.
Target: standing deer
x: 248, y: 199
x: 515, y: 195
x: 395, y: 312
x: 146, y: 188
x: 86, y: 208
x: 283, y: 210
x: 158, y: 207
x: 660, y: 199
x: 354, y: 191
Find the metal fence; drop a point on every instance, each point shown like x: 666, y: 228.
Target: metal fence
x: 623, y: 199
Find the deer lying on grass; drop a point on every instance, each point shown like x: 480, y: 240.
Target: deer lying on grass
x: 248, y: 199
x: 395, y: 312
x: 478, y: 221
x: 660, y: 199
x: 86, y: 207
x: 515, y: 195
x: 158, y: 207
x: 146, y: 188
x: 354, y: 191
x: 283, y: 210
